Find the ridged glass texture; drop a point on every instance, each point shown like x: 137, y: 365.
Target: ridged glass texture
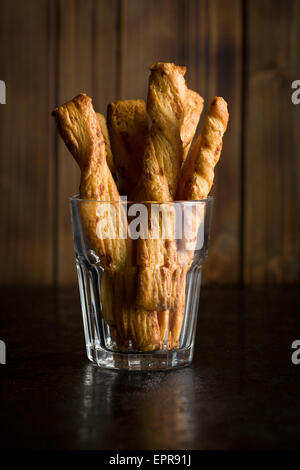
x: 104, y: 334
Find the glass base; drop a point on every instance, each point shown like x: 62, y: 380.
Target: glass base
x: 156, y: 360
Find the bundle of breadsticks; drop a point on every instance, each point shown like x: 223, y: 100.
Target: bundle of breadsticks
x: 144, y: 281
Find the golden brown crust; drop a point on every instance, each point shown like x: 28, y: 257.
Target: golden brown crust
x: 161, y: 166
x: 144, y: 307
x: 164, y: 326
x: 107, y: 296
x: 144, y: 330
x: 194, y: 184
x: 80, y: 130
x: 124, y: 291
x: 128, y: 129
x: 154, y: 288
x: 198, y: 172
x: 193, y: 109
x: 73, y: 117
x: 177, y: 306
x: 135, y: 326
x: 109, y: 155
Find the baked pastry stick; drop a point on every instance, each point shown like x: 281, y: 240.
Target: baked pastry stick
x: 198, y: 173
x: 107, y: 292
x: 168, y: 318
x: 195, y: 183
x: 145, y: 330
x: 80, y: 130
x: 135, y: 327
x: 109, y: 155
x: 177, y: 306
x: 161, y: 166
x: 164, y: 149
x: 128, y: 130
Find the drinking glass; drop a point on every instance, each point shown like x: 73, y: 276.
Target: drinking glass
x: 139, y: 269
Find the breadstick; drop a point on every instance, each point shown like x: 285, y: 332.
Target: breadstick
x: 80, y: 130
x: 156, y: 282
x: 195, y: 183
x: 161, y: 166
x: 178, y: 306
x: 193, y: 109
x: 198, y: 173
x: 107, y: 296
x: 156, y: 257
x: 109, y: 155
x: 172, y: 320
x: 128, y: 129
x: 144, y: 330
x: 164, y: 325
x: 134, y: 326
x: 164, y: 150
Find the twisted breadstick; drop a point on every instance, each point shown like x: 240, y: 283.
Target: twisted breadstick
x: 135, y: 327
x: 198, y: 173
x: 161, y: 166
x: 193, y: 109
x: 177, y: 306
x: 109, y: 155
x: 195, y: 183
x: 80, y: 130
x: 128, y: 129
x: 170, y: 319
x: 175, y: 112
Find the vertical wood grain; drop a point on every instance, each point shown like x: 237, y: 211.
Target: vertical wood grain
x: 152, y: 31
x: 213, y: 56
x: 87, y: 57
x: 26, y: 167
x: 272, y: 166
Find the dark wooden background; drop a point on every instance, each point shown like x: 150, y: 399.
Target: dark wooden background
x: 246, y: 51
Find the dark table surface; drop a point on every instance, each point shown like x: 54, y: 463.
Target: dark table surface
x: 242, y: 390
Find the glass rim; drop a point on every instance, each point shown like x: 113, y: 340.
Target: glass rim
x: 76, y: 198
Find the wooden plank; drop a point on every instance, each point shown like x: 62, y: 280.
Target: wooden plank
x: 26, y: 162
x: 152, y: 31
x: 272, y: 198
x: 105, y: 53
x: 87, y: 51
x: 213, y: 55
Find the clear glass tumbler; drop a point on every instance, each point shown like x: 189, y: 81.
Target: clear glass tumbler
x: 139, y: 269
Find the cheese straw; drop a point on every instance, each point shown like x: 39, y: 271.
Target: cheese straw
x: 195, y: 183
x: 143, y: 283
